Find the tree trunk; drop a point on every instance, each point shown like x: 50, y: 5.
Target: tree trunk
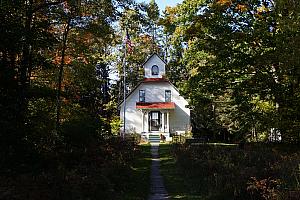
x: 25, y: 66
x: 60, y: 75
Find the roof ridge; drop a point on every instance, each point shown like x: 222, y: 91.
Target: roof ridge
x: 151, y: 57
x: 155, y: 79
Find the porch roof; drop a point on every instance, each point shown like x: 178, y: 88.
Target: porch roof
x: 155, y: 105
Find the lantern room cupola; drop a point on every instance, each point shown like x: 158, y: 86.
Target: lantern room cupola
x: 154, y: 67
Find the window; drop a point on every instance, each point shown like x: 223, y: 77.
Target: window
x: 168, y: 96
x: 142, y: 96
x: 154, y: 70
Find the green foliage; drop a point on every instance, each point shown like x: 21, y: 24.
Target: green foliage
x: 228, y: 172
x: 80, y: 129
x: 49, y: 51
x: 115, y: 125
x: 234, y: 55
x: 142, y: 24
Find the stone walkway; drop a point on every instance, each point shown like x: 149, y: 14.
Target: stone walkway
x: 158, y: 190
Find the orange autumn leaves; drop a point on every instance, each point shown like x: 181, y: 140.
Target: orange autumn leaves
x: 69, y: 58
x: 240, y: 7
x: 57, y: 59
x: 224, y: 2
x: 86, y: 40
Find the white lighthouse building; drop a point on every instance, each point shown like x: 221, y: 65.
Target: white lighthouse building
x: 154, y: 106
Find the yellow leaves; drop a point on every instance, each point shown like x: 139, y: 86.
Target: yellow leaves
x: 193, y: 72
x: 263, y: 105
x: 224, y: 2
x: 171, y: 10
x: 169, y: 16
x: 179, y: 31
x: 262, y: 9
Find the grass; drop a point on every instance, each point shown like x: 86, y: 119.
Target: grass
x: 139, y: 181
x: 177, y: 186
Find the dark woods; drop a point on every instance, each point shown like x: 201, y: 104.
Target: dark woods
x: 56, y: 138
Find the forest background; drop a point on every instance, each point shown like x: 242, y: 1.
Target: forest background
x: 237, y: 62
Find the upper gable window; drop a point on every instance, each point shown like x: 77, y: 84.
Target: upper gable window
x: 154, y: 70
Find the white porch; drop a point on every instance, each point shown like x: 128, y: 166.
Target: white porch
x: 156, y: 123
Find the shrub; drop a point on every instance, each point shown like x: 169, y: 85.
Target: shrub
x: 256, y: 172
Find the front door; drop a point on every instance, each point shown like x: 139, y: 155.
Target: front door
x: 154, y: 120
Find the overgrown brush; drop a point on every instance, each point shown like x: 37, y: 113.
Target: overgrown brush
x: 99, y: 170
x: 226, y: 172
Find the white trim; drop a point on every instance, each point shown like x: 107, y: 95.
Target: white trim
x: 143, y: 116
x: 163, y: 121
x: 168, y: 122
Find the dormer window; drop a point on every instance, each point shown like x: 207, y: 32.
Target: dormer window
x: 154, y: 70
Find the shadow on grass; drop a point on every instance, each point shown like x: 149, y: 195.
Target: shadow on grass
x: 139, y: 182
x: 176, y: 184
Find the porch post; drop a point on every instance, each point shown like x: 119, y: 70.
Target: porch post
x: 163, y: 121
x: 146, y: 119
x: 168, y: 122
x: 143, y: 119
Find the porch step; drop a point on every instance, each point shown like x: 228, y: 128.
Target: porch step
x: 154, y: 138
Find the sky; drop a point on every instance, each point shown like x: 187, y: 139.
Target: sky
x: 163, y: 3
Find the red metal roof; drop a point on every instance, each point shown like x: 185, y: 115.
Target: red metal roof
x: 155, y: 80
x: 155, y: 105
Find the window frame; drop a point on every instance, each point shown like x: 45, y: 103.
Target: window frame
x: 156, y: 71
x: 142, y: 95
x: 168, y: 95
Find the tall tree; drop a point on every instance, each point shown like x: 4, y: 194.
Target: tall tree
x: 230, y: 55
x: 48, y: 47
x: 141, y: 23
